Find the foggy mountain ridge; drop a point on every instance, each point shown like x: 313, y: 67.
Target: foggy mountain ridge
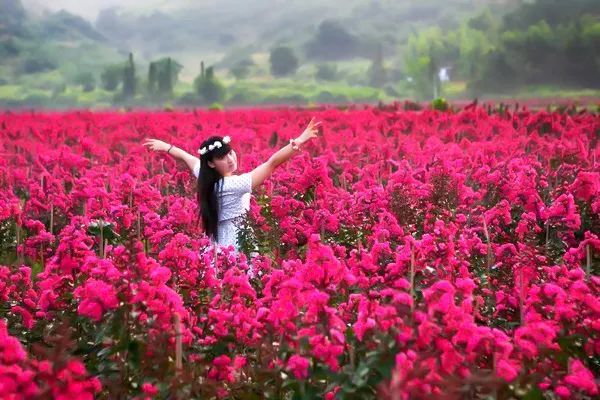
x: 18, y: 21
x: 205, y: 30
x: 155, y: 28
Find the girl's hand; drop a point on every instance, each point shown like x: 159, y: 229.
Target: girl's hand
x: 310, y: 132
x: 156, y: 145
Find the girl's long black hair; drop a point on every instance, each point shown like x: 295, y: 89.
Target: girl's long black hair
x: 208, y: 193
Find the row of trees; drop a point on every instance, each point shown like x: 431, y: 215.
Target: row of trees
x: 162, y: 76
x: 284, y: 62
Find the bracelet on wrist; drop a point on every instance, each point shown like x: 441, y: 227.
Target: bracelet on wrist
x: 169, y: 151
x: 294, y: 144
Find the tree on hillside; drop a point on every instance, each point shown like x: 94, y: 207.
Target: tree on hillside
x: 37, y: 62
x: 484, y: 22
x: 554, y: 12
x: 241, y: 69
x: 162, y: 76
x: 332, y: 42
x: 377, y: 73
x: 111, y: 77
x: 152, y: 78
x: 12, y: 18
x: 86, y: 80
x: 496, y: 68
x: 544, y: 42
x: 326, y: 72
x: 540, y: 42
x: 472, y: 45
x: 208, y: 87
x: 129, y: 84
x: 8, y: 48
x: 426, y: 53
x: 283, y: 61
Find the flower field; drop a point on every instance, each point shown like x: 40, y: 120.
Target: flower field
x: 402, y: 255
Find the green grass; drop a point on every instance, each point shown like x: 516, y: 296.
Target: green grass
x: 182, y: 88
x: 553, y: 91
x: 44, y: 80
x: 454, y: 90
x: 11, y: 92
x: 458, y: 91
x: 42, y: 90
x: 19, y: 92
x: 310, y: 91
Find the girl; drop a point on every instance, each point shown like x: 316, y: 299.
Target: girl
x: 223, y: 197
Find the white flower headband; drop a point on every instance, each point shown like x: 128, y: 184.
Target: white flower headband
x: 215, y: 145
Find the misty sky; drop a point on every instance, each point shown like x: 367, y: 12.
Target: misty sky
x: 89, y: 8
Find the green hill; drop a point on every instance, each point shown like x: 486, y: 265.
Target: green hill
x: 41, y: 57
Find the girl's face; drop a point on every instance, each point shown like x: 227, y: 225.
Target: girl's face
x: 227, y: 165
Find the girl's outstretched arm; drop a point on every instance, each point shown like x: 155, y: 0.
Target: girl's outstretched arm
x: 176, y: 152
x: 263, y: 171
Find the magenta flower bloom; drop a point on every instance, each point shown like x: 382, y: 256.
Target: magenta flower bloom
x: 298, y: 365
x: 97, y: 297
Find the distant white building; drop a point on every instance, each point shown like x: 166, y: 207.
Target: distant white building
x: 443, y: 74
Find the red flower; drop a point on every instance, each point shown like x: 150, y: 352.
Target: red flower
x: 298, y: 365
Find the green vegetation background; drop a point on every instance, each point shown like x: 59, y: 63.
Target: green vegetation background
x: 303, y: 53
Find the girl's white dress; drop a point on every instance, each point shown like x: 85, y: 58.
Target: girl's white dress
x: 234, y: 202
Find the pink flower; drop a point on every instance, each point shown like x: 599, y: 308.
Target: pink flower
x: 91, y: 309
x: 27, y: 318
x: 299, y: 366
x: 563, y: 392
x: 581, y: 378
x: 362, y: 326
x: 507, y: 370
x: 149, y: 389
x: 239, y: 362
x: 76, y: 367
x: 331, y: 394
x: 450, y: 360
x: 222, y: 369
x: 160, y: 275
x: 11, y: 350
x: 564, y: 209
x: 586, y: 185
x: 97, y: 297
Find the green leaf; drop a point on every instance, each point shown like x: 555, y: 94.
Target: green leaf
x: 105, y: 228
x: 534, y: 394
x: 348, y: 388
x: 292, y: 385
x: 361, y: 376
x: 105, y: 352
x: 385, y: 368
x: 250, y: 396
x: 134, y: 352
